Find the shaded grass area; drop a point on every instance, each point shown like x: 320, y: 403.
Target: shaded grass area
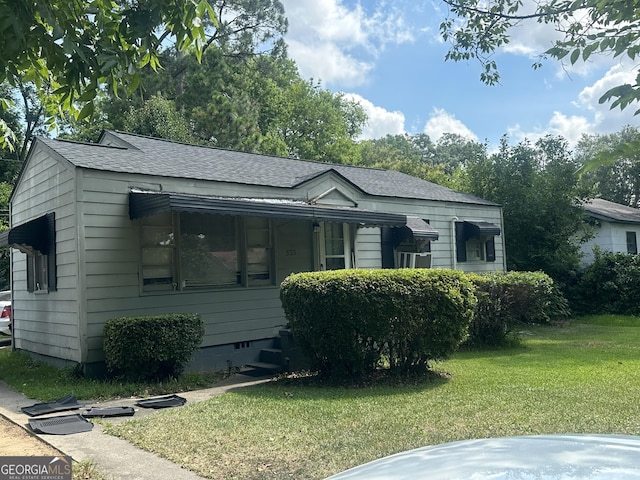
x: 46, y: 383
x: 581, y: 377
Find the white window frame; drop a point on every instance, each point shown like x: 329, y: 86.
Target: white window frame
x: 347, y: 252
x: 39, y: 266
x: 248, y: 234
x: 411, y: 259
x: 476, y: 249
x: 632, y: 242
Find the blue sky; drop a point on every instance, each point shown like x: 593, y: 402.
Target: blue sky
x: 387, y: 54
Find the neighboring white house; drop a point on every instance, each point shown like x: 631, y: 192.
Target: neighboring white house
x: 616, y: 228
x: 134, y: 225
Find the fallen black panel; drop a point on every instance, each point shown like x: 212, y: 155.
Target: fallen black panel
x: 67, y: 402
x: 108, y: 412
x: 162, y: 402
x: 64, y: 425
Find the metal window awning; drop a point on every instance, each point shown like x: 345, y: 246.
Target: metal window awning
x: 420, y: 229
x: 480, y: 229
x: 37, y: 234
x: 142, y: 204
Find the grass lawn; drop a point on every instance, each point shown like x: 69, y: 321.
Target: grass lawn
x: 583, y: 377
x: 46, y: 383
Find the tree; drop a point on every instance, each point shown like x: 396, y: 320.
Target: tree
x: 410, y: 154
x: 73, y: 47
x: 316, y: 124
x: 477, y: 28
x: 158, y: 117
x: 417, y: 155
x: 9, y: 160
x: 538, y: 187
x: 611, y: 163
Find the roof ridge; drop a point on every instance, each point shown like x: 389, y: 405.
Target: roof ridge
x: 79, y: 142
x: 270, y: 155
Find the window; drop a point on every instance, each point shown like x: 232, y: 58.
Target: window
x: 632, y: 244
x: 37, y: 239
x: 189, y: 251
x: 335, y: 246
x: 158, y: 252
x: 37, y: 272
x: 475, y: 241
x: 208, y: 250
x: 475, y: 250
x: 258, y: 238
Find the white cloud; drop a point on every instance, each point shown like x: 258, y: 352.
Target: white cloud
x: 441, y: 122
x: 571, y: 127
x: 380, y: 122
x: 531, y: 39
x: 337, y: 44
x: 593, y: 118
x: 328, y: 63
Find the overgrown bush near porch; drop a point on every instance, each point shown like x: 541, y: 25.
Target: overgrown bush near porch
x: 508, y: 299
x: 152, y: 347
x: 609, y: 285
x: 350, y: 322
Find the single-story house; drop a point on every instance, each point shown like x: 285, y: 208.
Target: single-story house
x: 616, y: 228
x: 133, y: 225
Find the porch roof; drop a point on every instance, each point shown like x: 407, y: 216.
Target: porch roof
x: 142, y: 204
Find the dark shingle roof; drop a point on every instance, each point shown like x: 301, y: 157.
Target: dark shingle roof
x: 611, y: 211
x: 152, y: 156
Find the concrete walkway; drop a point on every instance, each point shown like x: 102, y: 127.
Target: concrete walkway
x: 116, y: 458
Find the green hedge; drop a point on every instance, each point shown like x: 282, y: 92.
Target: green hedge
x: 153, y: 347
x: 508, y: 299
x: 350, y: 322
x: 609, y: 285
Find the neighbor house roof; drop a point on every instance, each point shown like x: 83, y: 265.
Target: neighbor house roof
x: 151, y: 156
x: 610, y: 211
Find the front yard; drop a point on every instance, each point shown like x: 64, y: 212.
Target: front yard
x: 582, y: 377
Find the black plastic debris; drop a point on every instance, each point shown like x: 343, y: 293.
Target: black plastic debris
x: 162, y: 402
x: 64, y: 425
x: 68, y: 402
x: 102, y: 412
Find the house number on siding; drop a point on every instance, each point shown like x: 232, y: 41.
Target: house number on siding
x: 290, y: 252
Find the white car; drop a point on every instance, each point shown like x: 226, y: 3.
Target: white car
x: 5, y: 312
x: 536, y: 457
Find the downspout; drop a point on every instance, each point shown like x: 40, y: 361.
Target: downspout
x: 502, y: 240
x: 454, y: 261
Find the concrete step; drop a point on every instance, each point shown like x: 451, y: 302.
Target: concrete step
x: 270, y: 367
x: 271, y: 355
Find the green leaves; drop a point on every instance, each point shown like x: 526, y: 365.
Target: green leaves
x: 477, y: 30
x: 74, y: 46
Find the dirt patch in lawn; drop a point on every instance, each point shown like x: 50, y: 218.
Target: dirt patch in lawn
x: 16, y: 441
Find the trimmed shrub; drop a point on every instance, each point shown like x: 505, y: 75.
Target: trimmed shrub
x: 610, y: 284
x: 350, y: 322
x: 507, y: 299
x: 154, y: 347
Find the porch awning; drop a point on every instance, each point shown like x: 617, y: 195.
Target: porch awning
x: 420, y: 229
x: 37, y: 234
x: 480, y: 229
x: 142, y: 204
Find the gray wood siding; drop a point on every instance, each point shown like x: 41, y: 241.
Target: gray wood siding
x: 98, y: 243
x: 47, y: 323
x: 368, y: 248
x: 112, y: 263
x: 609, y: 236
x: 441, y: 216
x: 293, y: 248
